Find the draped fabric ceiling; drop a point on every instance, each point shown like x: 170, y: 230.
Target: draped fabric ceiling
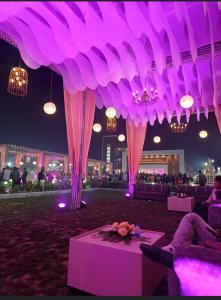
x: 110, y: 46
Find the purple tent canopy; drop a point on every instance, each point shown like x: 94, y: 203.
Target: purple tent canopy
x: 111, y: 46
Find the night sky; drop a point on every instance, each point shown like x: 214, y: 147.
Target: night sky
x: 23, y: 121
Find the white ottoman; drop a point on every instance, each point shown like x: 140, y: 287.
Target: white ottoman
x: 180, y: 204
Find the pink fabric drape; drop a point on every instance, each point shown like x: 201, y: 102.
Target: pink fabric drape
x: 79, y: 112
x: 135, y: 142
x: 218, y: 116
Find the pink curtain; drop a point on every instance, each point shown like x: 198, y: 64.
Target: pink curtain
x: 218, y: 116
x: 135, y: 142
x: 79, y: 112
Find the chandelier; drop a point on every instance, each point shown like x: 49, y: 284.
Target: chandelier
x: 111, y: 124
x: 18, y: 82
x: 178, y: 127
x: 146, y: 98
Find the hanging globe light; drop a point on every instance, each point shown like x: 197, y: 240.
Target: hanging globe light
x: 203, y: 134
x: 157, y: 139
x: 121, y: 138
x: 18, y: 82
x: 97, y: 127
x: 50, y: 107
x: 111, y: 112
x: 186, y: 101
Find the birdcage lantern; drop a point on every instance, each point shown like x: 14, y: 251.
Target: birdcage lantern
x: 18, y: 82
x: 111, y: 124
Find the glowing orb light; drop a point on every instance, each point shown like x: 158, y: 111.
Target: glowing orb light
x: 111, y: 112
x: 156, y: 139
x: 62, y: 205
x: 186, y: 101
x: 121, y: 137
x: 203, y: 134
x: 97, y: 127
x: 49, y: 108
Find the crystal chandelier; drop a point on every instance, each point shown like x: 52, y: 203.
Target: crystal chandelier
x: 178, y: 127
x: 146, y: 98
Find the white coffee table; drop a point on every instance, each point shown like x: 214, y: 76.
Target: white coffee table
x: 180, y: 204
x: 104, y: 268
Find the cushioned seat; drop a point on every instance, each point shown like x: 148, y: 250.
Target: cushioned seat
x: 151, y: 192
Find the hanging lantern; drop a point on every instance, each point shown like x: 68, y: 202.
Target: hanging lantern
x: 50, y: 107
x: 121, y: 138
x: 97, y: 127
x: 178, y: 127
x: 186, y: 101
x: 18, y: 82
x: 157, y: 139
x: 203, y: 134
x: 111, y: 112
x: 111, y: 124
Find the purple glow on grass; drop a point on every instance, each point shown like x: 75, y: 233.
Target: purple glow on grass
x: 192, y: 271
x: 217, y: 205
x: 62, y: 205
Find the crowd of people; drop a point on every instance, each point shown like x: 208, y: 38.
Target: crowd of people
x: 144, y: 178
x: 181, y: 178
x: 20, y: 178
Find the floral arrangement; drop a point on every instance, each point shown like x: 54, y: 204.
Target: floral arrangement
x: 123, y: 229
x: 122, y: 232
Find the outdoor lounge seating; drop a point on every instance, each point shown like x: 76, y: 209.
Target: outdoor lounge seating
x: 157, y: 192
x: 200, y: 193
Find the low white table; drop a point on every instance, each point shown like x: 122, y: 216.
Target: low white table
x: 180, y: 204
x: 105, y: 268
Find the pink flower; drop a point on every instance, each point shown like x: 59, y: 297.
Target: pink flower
x: 115, y: 226
x: 124, y: 224
x: 122, y: 231
x: 132, y: 227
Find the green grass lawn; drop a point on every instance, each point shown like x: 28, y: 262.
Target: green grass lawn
x: 35, y: 236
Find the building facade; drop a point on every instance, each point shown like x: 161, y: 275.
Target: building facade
x: 160, y: 162
x: 34, y: 159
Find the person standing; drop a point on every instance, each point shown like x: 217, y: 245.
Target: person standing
x: 202, y: 179
x: 24, y: 176
x: 41, y: 179
x: 15, y: 175
x: 6, y: 174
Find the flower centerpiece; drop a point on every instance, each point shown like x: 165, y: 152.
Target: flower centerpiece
x: 122, y: 232
x: 123, y: 229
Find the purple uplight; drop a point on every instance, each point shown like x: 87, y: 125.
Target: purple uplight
x: 217, y: 205
x: 62, y: 205
x: 191, y: 272
x: 127, y: 195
